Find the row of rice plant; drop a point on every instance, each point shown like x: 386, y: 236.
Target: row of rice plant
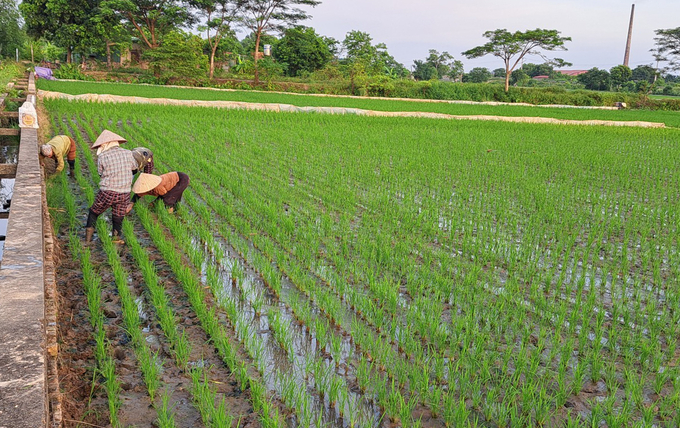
x: 488, y: 273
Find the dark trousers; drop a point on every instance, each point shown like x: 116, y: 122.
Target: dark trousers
x: 174, y: 195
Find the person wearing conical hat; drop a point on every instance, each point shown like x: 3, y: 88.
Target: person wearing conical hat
x: 57, y: 148
x: 168, y: 187
x: 114, y: 165
x: 144, y: 158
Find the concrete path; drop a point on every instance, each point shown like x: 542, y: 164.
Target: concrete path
x: 23, y: 396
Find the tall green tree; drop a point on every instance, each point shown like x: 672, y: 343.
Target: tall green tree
x: 477, y: 75
x: 261, y: 16
x: 443, y: 63
x: 179, y: 55
x: 644, y: 72
x: 533, y: 70
x: 362, y: 54
x: 66, y: 23
x: 423, y: 70
x: 619, y: 75
x: 595, y: 79
x: 668, y: 47
x: 151, y: 19
x: 512, y: 47
x: 303, y: 50
x: 11, y: 34
x: 219, y: 16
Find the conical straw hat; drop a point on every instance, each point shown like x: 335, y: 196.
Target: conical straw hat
x: 107, y: 137
x: 146, y: 182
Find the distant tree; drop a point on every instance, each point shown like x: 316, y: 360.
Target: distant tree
x: 65, y: 23
x: 424, y: 71
x: 595, y: 79
x: 12, y: 35
x: 644, y: 72
x: 519, y: 77
x: 151, y: 19
x: 499, y: 72
x: 512, y: 47
x: 303, y: 50
x: 668, y: 46
x: 619, y: 75
x: 179, y: 55
x: 219, y: 16
x: 104, y: 30
x: 443, y: 63
x: 533, y: 70
x: 362, y: 55
x: 477, y: 75
x: 261, y: 16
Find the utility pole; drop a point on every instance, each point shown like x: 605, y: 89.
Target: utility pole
x: 630, y: 36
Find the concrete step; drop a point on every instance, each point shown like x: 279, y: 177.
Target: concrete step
x: 8, y: 170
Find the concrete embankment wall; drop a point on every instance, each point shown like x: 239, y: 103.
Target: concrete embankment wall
x: 23, y: 368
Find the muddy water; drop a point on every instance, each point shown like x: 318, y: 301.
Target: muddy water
x: 254, y: 301
x: 6, y: 193
x: 9, y: 153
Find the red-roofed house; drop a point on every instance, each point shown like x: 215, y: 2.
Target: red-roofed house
x: 571, y: 72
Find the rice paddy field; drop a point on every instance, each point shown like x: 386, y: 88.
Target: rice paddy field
x: 346, y: 271
x: 669, y: 118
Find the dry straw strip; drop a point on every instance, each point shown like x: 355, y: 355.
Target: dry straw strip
x: 105, y: 98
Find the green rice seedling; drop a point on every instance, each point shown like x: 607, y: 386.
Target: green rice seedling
x: 166, y: 416
x: 108, y: 370
x: 151, y: 368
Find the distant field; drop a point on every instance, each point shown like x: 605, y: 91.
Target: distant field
x: 664, y: 97
x: 671, y: 119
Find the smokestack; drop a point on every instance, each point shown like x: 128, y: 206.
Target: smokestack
x: 626, y: 57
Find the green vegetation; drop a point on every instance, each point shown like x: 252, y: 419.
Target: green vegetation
x: 477, y: 272
x: 150, y: 91
x: 8, y: 71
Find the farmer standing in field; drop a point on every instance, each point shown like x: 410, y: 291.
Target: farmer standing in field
x: 114, y: 165
x: 57, y: 148
x: 168, y: 187
x: 144, y: 158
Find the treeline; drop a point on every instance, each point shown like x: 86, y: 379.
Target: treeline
x: 150, y: 41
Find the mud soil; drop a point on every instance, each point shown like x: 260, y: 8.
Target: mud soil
x: 83, y: 395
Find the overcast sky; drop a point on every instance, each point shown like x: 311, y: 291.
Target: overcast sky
x: 410, y: 28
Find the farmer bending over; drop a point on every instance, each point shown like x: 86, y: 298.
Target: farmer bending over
x: 144, y: 159
x: 114, y: 165
x: 168, y: 187
x: 57, y: 148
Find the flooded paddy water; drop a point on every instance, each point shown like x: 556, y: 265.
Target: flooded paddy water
x: 438, y: 311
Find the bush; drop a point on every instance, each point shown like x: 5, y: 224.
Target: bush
x: 70, y: 71
x: 180, y: 56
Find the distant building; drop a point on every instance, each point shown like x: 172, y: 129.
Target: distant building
x: 571, y: 72
x: 541, y: 77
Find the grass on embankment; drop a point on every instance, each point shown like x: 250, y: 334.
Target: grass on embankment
x: 670, y: 118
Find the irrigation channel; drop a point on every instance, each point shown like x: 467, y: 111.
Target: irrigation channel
x: 303, y: 283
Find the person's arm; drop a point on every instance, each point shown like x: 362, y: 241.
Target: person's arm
x: 60, y: 162
x: 148, y: 168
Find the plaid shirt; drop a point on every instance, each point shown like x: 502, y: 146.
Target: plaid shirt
x: 115, y: 166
